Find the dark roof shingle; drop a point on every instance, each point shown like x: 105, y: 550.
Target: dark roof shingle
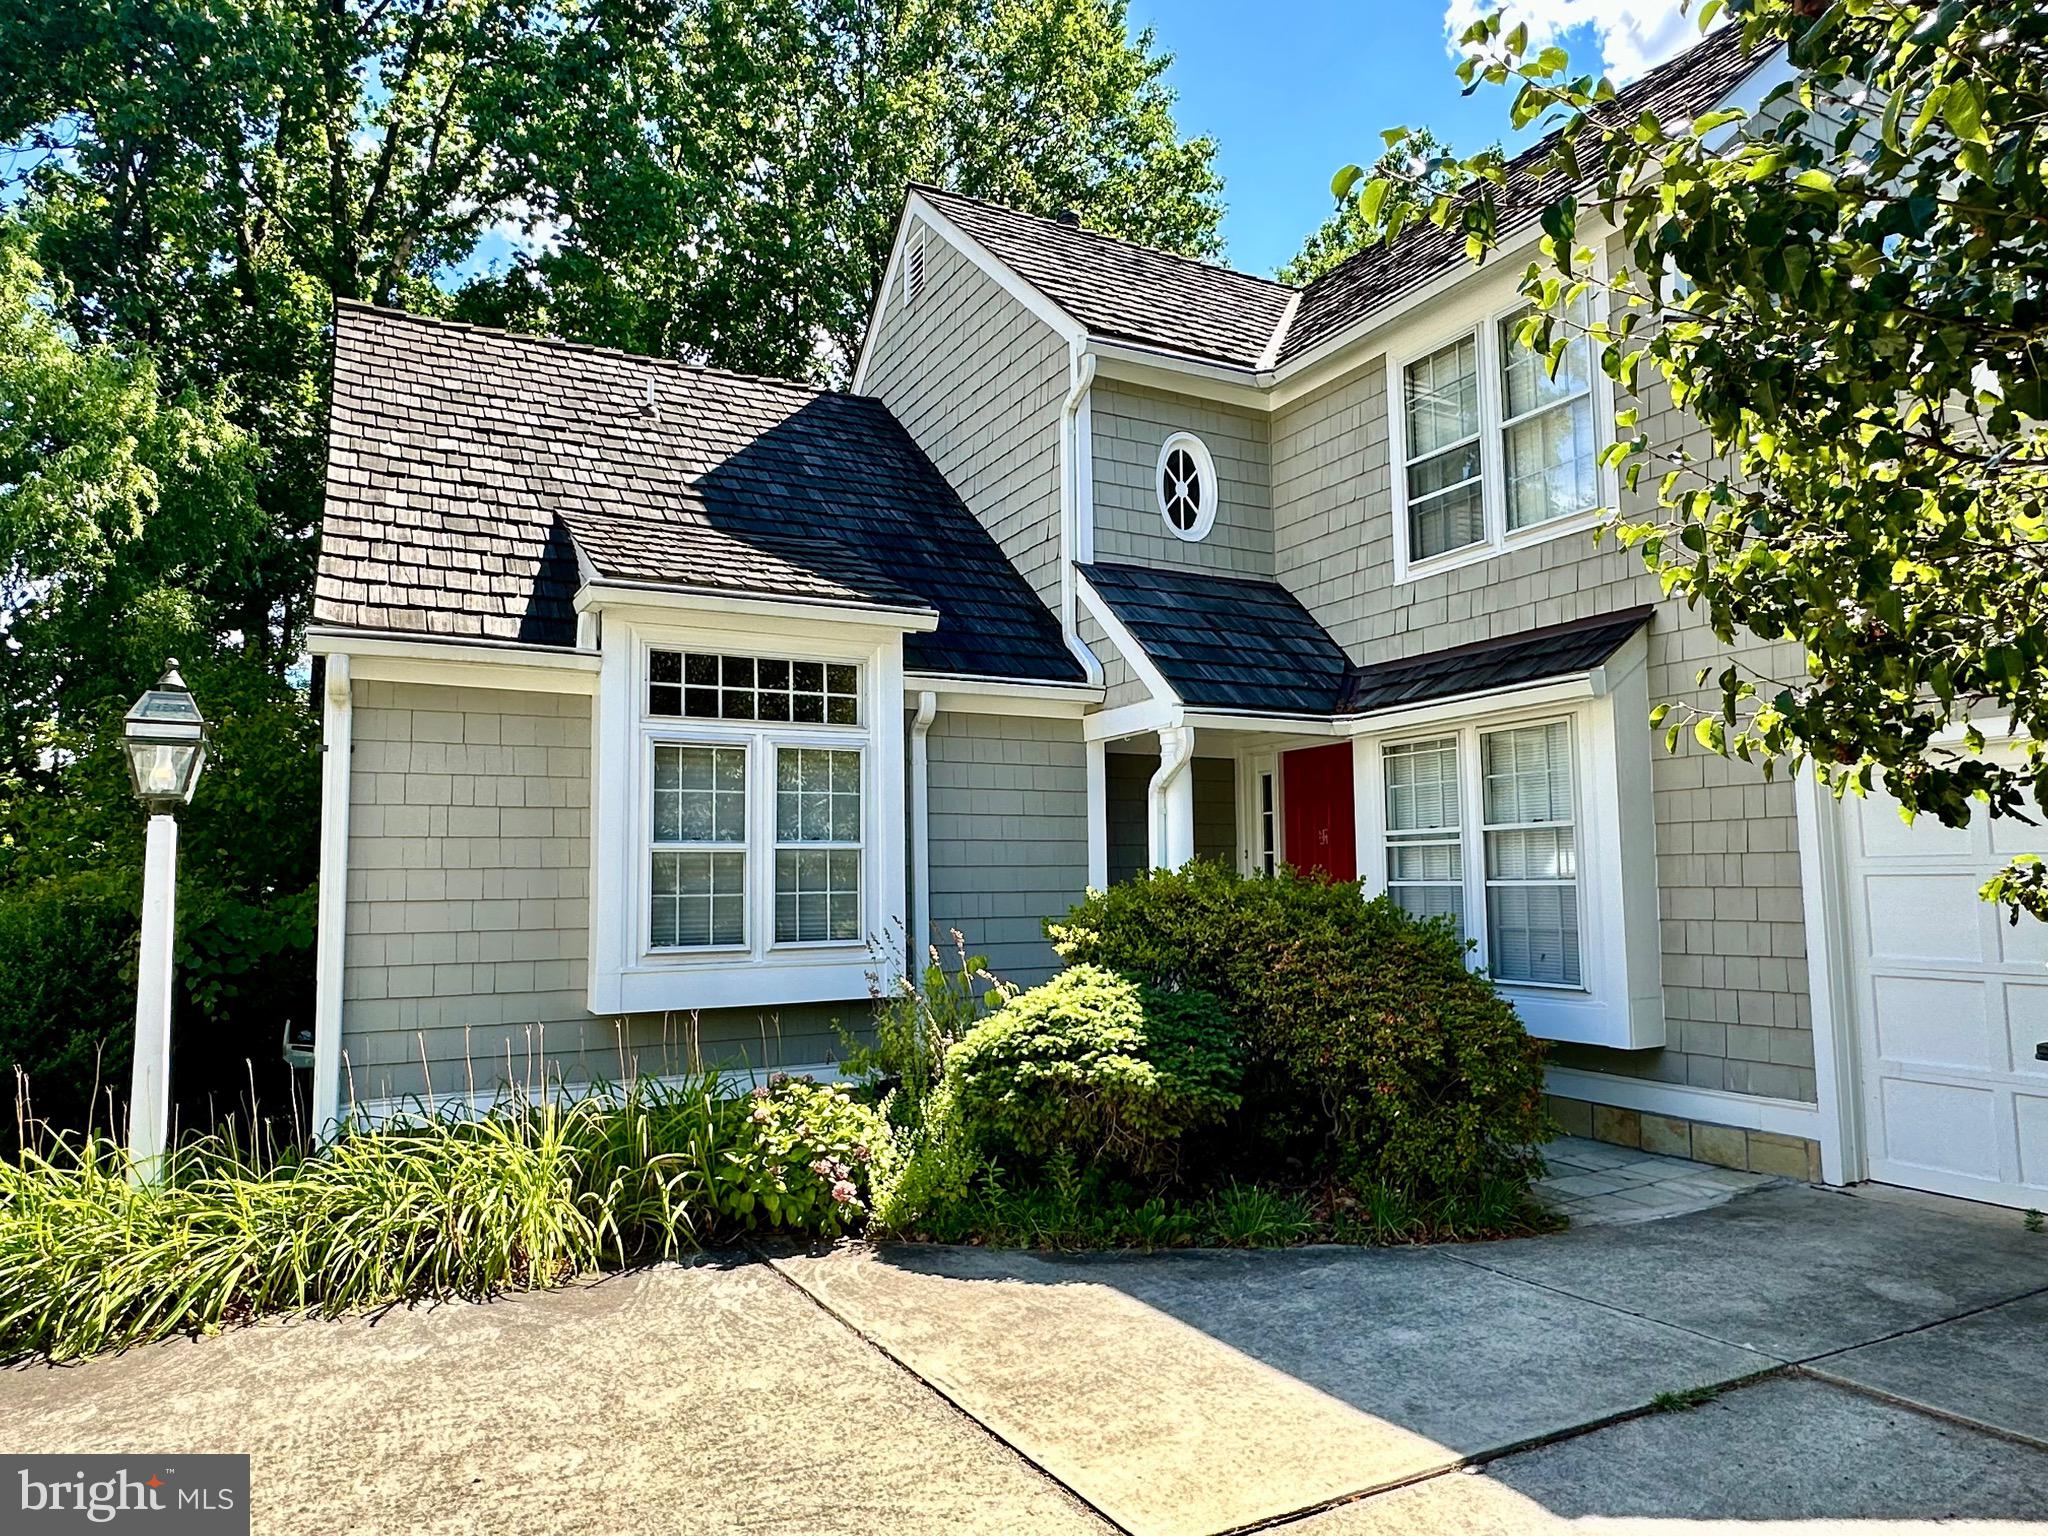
x: 1225, y: 642
x: 466, y: 465
x: 1530, y: 657
x: 1128, y: 292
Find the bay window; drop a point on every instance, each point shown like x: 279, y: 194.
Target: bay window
x: 755, y: 791
x: 1507, y: 876
x: 1491, y: 444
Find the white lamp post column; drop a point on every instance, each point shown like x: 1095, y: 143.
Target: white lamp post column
x: 149, y: 1098
x: 166, y: 740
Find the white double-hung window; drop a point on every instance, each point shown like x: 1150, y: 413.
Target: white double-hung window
x: 1493, y: 448
x: 1481, y: 828
x: 756, y: 791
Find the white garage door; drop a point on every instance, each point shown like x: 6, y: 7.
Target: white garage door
x: 1951, y: 1001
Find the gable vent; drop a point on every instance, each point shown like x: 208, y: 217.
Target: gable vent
x: 913, y: 265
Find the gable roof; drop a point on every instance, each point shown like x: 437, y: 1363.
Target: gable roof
x: 1124, y: 291
x: 1120, y: 291
x: 1226, y: 642
x: 468, y: 467
x: 1679, y: 89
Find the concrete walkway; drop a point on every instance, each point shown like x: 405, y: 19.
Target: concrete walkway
x: 1848, y: 1358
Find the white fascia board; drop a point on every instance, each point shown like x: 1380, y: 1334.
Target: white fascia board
x: 1571, y: 689
x: 890, y: 274
x: 1130, y: 720
x: 1267, y: 720
x: 1128, y: 363
x: 1070, y: 330
x: 1004, y: 696
x: 461, y: 663
x: 1126, y: 643
x: 664, y: 599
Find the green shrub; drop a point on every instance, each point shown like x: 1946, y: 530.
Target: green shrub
x: 528, y: 1195
x: 1096, y: 1066
x: 1371, y: 1047
x: 67, y: 997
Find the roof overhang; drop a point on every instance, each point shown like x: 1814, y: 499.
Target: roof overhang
x: 449, y: 661
x: 595, y: 596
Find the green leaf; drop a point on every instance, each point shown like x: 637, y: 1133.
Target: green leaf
x: 1342, y: 183
x: 1963, y: 110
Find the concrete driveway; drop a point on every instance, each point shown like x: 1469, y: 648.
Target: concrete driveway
x: 1879, y: 1360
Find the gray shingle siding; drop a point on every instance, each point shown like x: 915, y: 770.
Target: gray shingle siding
x: 468, y: 909
x: 1009, y: 833
x: 978, y: 380
x: 1130, y: 425
x: 1734, y: 971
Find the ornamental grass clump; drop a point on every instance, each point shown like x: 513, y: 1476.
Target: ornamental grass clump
x: 530, y: 1194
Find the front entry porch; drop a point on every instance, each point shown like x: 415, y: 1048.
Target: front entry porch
x: 1253, y: 799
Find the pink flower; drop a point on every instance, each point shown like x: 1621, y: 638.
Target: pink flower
x: 823, y: 1168
x: 763, y: 1113
x: 844, y: 1191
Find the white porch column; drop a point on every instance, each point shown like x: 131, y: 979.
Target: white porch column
x: 1170, y: 839
x: 337, y: 735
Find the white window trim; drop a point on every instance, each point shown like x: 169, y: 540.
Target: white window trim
x: 1620, y: 999
x: 1205, y: 470
x: 1480, y: 313
x: 627, y: 975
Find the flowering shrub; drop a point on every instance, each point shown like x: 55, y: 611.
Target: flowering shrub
x: 802, y: 1158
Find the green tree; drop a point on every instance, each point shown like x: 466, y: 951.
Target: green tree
x: 1410, y: 166
x: 722, y: 180
x: 1849, y: 287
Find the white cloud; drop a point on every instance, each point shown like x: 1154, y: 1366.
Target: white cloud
x: 1633, y: 34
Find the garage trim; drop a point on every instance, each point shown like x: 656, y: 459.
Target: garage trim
x: 1824, y: 896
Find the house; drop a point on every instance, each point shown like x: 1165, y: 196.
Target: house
x: 663, y: 705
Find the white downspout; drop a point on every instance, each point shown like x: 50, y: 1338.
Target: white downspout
x: 329, y: 947
x: 1083, y: 369
x: 1170, y: 801
x: 920, y: 830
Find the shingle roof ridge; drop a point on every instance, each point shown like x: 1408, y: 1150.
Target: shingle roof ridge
x: 544, y: 341
x: 1223, y: 268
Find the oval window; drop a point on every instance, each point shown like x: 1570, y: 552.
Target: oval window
x: 1187, y: 486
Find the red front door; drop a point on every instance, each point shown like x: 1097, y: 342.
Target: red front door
x: 1321, y: 834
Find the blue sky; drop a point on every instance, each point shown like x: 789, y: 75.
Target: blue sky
x: 1293, y: 89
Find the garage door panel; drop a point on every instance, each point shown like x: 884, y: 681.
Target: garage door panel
x: 1943, y: 1126
x: 1882, y: 833
x: 2026, y: 1022
x: 2024, y: 942
x: 2009, y: 837
x: 1933, y: 1021
x: 1924, y: 919
x: 2030, y: 1112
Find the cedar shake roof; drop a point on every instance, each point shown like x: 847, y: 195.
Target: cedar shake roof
x: 1226, y: 642
x: 1534, y: 656
x: 1127, y: 292
x: 1124, y: 292
x: 468, y: 467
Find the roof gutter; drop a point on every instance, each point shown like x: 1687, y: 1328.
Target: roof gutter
x: 1076, y: 542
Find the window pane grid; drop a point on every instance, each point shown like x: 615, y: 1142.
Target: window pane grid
x: 1446, y: 503
x: 699, y: 685
x: 698, y: 867
x: 1532, y: 906
x: 818, y: 845
x: 1425, y: 849
x: 1547, y: 446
